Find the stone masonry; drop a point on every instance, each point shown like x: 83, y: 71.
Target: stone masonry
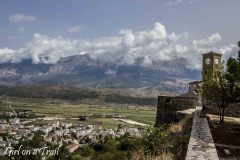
x: 201, y: 145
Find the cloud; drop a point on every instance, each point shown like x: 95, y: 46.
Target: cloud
x: 110, y: 72
x: 74, y: 29
x: 6, y: 55
x: 20, y: 31
x: 154, y: 47
x: 17, y: 18
x: 212, y: 39
x: 174, y: 2
x: 177, y: 2
x: 44, y: 49
x: 227, y: 49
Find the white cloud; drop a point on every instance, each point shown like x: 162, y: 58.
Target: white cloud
x: 177, y: 2
x: 227, y: 49
x: 174, y: 2
x: 148, y: 47
x: 16, y: 18
x: 6, y: 54
x: 212, y: 39
x: 110, y: 72
x: 74, y: 29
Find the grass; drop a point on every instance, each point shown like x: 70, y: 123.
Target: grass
x: 107, y: 122
x: 179, y: 136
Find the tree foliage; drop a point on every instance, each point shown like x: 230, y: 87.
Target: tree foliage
x: 216, y: 90
x: 233, y: 77
x: 155, y: 141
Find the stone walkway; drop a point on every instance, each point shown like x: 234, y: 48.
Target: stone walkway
x: 201, y: 145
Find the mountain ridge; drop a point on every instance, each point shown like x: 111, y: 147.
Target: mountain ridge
x: 82, y: 70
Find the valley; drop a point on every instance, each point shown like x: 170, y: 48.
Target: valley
x: 70, y: 104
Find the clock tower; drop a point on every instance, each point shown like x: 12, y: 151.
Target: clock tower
x: 210, y: 61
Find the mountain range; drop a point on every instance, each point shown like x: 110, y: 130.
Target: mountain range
x: 82, y: 70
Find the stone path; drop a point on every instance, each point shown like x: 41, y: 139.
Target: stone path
x: 201, y: 145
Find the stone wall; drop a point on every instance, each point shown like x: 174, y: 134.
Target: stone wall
x: 201, y: 145
x: 168, y: 106
x: 232, y: 110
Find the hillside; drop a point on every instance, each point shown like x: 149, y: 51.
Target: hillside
x: 75, y: 94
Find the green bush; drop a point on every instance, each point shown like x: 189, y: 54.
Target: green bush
x: 155, y: 141
x: 118, y: 155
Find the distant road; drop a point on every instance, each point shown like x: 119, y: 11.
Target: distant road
x: 130, y: 122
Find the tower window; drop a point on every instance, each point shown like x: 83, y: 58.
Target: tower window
x: 208, y: 61
x: 216, y: 61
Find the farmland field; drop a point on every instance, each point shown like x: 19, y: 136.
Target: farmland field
x: 71, y: 110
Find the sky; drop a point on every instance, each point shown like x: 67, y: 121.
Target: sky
x: 118, y: 31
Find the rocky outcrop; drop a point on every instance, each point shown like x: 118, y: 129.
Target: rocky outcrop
x: 68, y: 64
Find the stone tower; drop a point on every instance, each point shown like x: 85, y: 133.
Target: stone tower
x: 168, y: 106
x: 210, y: 61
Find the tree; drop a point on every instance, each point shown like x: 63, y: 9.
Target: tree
x: 155, y: 141
x: 75, y: 157
x: 86, y: 151
x: 238, y: 58
x: 110, y: 146
x: 117, y: 155
x: 216, y: 90
x: 233, y: 76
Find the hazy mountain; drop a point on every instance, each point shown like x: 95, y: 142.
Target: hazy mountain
x: 82, y: 70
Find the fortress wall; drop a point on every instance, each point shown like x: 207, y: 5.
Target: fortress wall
x: 168, y: 106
